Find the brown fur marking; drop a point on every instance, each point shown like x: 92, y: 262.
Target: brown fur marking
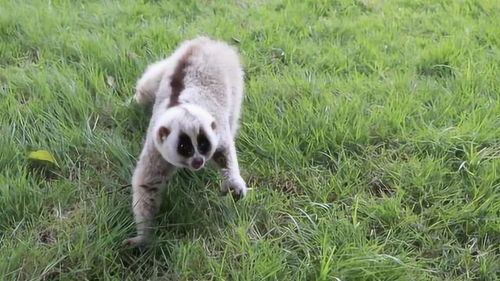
x: 150, y: 186
x: 177, y: 79
x: 163, y: 133
x: 220, y: 158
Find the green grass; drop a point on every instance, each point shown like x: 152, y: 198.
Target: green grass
x: 370, y: 137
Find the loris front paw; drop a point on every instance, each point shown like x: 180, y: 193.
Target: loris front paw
x: 236, y: 185
x: 135, y: 242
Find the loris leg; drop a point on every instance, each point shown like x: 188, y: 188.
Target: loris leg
x: 148, y: 84
x: 148, y: 181
x: 225, y: 158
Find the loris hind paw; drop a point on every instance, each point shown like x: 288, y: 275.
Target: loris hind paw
x: 143, y: 97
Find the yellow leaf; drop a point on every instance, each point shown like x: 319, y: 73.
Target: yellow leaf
x: 43, y: 155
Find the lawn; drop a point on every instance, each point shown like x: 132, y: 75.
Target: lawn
x: 370, y: 138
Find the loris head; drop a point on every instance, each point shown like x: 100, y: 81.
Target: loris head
x: 185, y: 135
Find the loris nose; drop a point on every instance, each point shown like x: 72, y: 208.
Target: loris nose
x: 197, y: 162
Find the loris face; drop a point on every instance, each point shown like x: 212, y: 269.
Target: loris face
x: 186, y: 138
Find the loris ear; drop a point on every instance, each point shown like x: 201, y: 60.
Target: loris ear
x: 163, y: 133
x: 213, y: 125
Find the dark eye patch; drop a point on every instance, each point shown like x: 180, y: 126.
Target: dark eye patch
x: 185, y: 147
x: 203, y: 143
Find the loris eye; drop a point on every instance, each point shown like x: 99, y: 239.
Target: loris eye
x: 185, y: 147
x: 203, y: 143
